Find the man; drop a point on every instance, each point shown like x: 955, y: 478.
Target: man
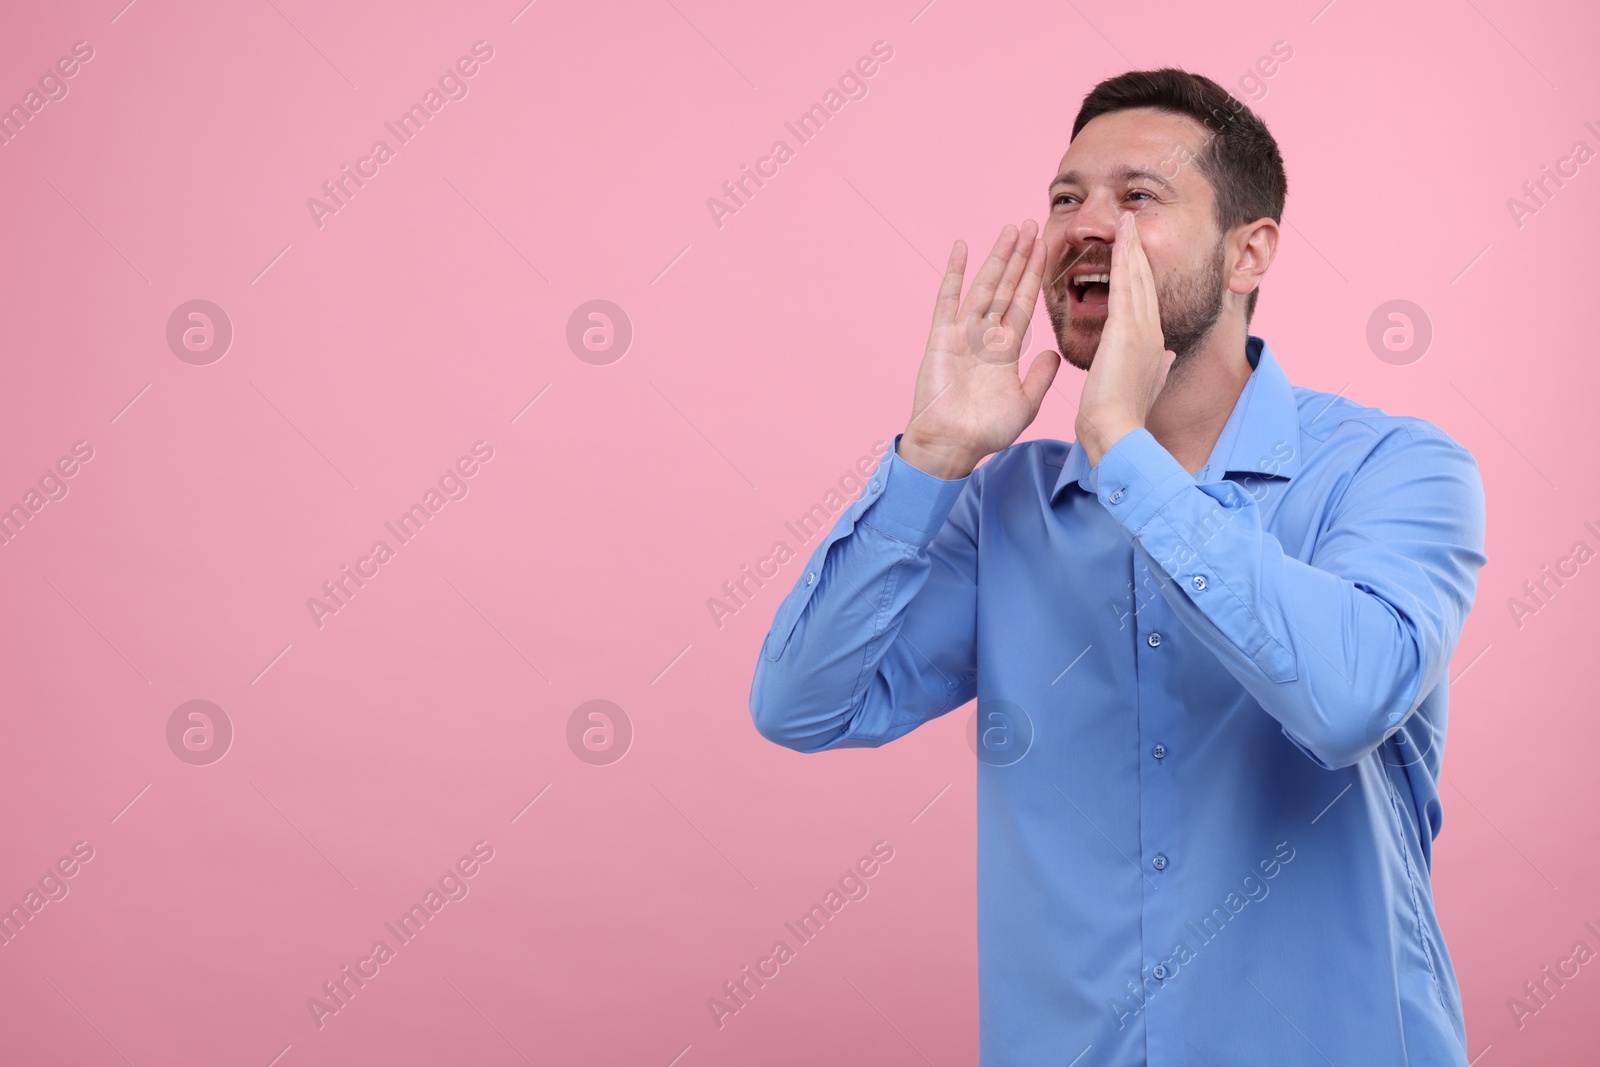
x: 1209, y: 640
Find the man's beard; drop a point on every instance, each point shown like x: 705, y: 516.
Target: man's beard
x: 1190, y: 307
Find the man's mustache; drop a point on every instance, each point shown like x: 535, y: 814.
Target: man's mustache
x: 1077, y: 261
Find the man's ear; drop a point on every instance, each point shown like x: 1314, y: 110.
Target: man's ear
x: 1254, y: 245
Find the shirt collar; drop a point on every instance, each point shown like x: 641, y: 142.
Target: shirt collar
x: 1261, y: 437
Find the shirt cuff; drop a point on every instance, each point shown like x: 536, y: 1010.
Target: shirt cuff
x: 1137, y: 477
x: 908, y: 503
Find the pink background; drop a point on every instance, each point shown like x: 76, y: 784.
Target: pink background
x: 768, y: 355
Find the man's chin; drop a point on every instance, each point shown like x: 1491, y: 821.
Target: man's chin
x: 1078, y: 359
x: 1080, y: 343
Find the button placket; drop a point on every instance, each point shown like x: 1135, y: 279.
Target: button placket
x: 1150, y: 614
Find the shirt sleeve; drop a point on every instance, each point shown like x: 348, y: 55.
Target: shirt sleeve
x: 879, y: 633
x: 1340, y: 649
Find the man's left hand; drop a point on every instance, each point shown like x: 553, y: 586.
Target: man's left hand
x: 1130, y: 365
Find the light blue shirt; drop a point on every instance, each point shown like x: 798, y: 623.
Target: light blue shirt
x: 1211, y: 715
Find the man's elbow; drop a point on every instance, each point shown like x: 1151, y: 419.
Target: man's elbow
x: 1343, y: 737
x: 774, y: 728
x: 791, y: 722
x: 1334, y: 755
x: 776, y: 720
x: 1341, y: 724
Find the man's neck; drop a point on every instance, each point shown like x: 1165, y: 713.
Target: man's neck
x: 1191, y: 411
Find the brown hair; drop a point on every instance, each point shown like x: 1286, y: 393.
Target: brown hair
x: 1240, y: 159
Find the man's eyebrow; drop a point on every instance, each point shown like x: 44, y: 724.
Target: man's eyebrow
x: 1121, y: 174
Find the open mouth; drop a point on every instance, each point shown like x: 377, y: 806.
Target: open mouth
x: 1090, y: 291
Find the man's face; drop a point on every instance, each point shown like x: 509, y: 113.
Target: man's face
x: 1140, y: 160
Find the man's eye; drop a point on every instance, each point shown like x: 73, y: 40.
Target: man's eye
x: 1060, y: 197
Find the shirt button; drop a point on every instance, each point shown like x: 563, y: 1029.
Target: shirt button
x: 811, y: 577
x: 874, y: 485
x: 1159, y: 970
x: 1116, y: 496
x: 1160, y: 862
x: 1154, y: 640
x: 1159, y: 752
x: 1199, y: 583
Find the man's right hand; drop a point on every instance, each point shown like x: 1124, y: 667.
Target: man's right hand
x: 970, y: 398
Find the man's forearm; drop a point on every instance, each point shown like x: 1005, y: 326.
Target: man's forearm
x: 853, y: 657
x: 1340, y: 648
x: 949, y: 464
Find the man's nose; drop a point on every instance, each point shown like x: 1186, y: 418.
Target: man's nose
x: 1087, y: 237
x: 1095, y: 220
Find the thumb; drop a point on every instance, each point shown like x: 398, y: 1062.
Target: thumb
x: 1168, y: 357
x: 1040, y: 374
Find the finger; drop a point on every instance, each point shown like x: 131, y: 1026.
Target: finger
x: 1151, y: 295
x: 1027, y: 294
x: 1117, y: 301
x: 1020, y: 254
x: 949, y: 299
x: 1143, y: 283
x: 1162, y: 370
x: 1039, y: 377
x: 988, y: 276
